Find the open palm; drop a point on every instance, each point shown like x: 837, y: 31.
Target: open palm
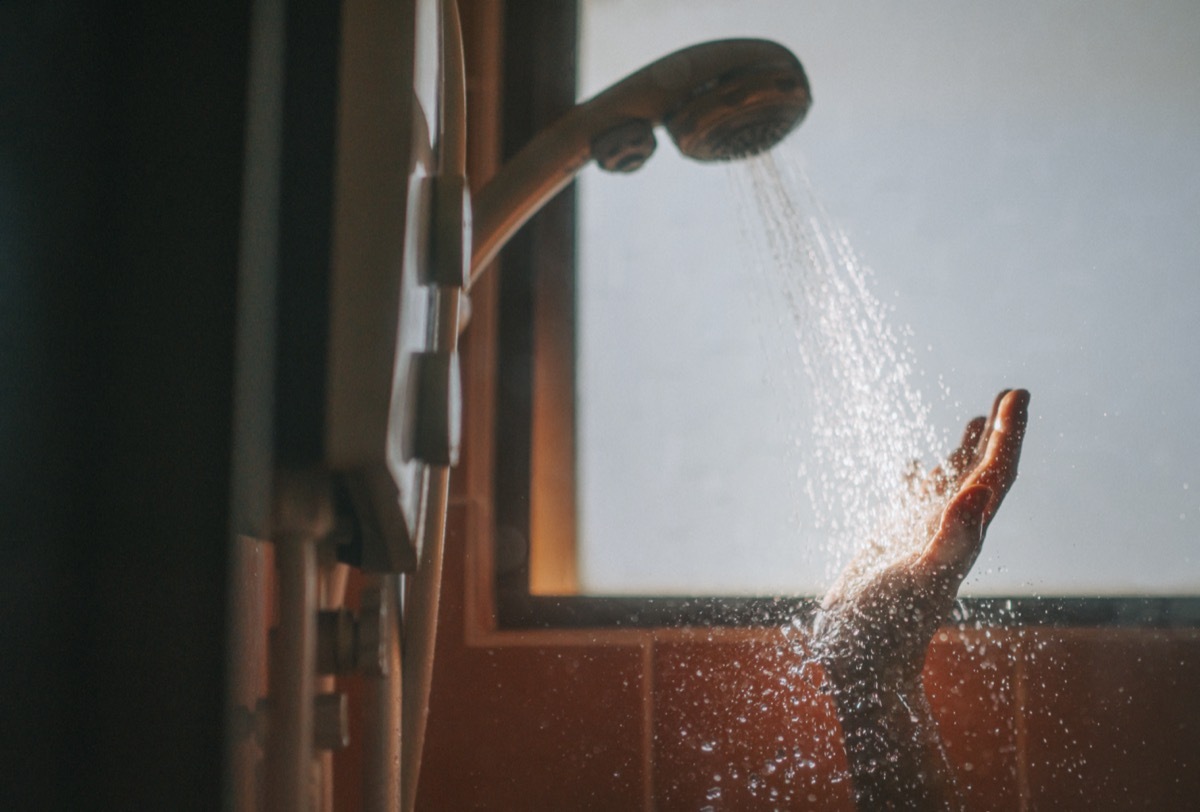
x: 876, y: 622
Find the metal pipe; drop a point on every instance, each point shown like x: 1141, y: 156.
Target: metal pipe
x: 289, y: 756
x: 382, y: 712
x: 302, y: 517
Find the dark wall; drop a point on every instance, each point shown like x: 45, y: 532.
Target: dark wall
x: 121, y: 131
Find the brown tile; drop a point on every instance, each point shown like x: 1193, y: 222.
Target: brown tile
x: 1113, y: 720
x: 737, y: 726
x: 969, y: 679
x: 528, y: 726
x: 524, y: 728
x: 744, y: 711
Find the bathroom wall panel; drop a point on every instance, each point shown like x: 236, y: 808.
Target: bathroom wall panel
x: 537, y: 729
x: 970, y: 679
x: 1113, y: 719
x: 725, y: 708
x: 516, y: 727
x: 733, y: 728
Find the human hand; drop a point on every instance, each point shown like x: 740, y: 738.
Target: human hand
x: 875, y: 623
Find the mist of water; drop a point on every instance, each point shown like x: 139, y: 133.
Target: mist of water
x: 842, y: 362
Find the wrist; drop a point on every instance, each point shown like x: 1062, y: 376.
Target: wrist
x: 893, y: 748
x: 870, y: 700
x: 870, y: 684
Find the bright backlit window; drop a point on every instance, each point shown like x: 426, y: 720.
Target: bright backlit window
x: 1023, y: 179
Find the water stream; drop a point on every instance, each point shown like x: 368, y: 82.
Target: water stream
x: 860, y: 427
x: 842, y: 363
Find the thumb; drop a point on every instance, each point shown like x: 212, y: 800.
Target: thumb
x: 960, y: 536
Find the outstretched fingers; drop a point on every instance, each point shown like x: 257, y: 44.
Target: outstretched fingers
x: 942, y: 479
x: 997, y: 469
x: 986, y: 462
x: 981, y: 447
x: 962, y: 460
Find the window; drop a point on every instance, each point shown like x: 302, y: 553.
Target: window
x: 1030, y: 221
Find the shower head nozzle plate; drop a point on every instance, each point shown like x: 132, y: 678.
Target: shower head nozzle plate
x: 741, y: 113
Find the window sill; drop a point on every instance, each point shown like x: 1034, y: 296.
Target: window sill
x: 530, y: 612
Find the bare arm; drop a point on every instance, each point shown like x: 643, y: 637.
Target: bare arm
x: 875, y: 624
x: 894, y: 751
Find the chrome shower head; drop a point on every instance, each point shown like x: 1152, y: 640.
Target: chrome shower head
x: 718, y: 100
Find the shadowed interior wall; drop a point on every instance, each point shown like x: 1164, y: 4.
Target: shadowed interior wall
x: 120, y: 186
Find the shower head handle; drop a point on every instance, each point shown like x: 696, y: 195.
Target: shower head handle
x: 719, y: 100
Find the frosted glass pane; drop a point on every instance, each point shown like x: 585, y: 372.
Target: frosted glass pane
x: 1024, y: 179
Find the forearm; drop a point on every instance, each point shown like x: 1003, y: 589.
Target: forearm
x: 894, y: 750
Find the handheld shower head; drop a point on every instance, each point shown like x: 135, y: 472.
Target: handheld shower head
x: 743, y: 113
x: 719, y: 101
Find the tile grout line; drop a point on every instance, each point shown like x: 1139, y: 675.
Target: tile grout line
x: 648, y: 647
x: 1020, y: 729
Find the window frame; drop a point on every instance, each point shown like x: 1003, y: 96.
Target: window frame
x: 532, y: 570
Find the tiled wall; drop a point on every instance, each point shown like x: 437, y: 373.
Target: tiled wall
x: 1034, y: 719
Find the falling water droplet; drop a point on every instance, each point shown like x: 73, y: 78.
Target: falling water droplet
x: 868, y: 419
